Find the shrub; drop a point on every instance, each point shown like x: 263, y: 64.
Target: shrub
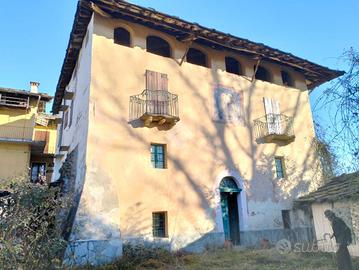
x: 30, y: 235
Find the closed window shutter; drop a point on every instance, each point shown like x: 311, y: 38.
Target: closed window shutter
x: 272, y: 110
x: 157, y: 83
x: 163, y: 82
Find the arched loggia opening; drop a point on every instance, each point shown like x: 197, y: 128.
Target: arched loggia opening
x: 229, y: 205
x: 158, y: 46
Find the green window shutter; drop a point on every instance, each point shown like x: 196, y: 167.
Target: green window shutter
x: 158, y: 156
x: 159, y: 224
x: 279, y: 167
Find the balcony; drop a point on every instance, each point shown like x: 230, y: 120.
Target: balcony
x: 156, y: 107
x: 41, y: 143
x: 274, y: 128
x: 12, y: 133
x: 12, y: 101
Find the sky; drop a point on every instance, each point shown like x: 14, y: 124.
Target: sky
x: 35, y: 33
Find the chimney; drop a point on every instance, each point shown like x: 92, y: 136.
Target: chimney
x: 34, y: 87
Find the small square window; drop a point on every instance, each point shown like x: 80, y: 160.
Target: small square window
x: 286, y: 219
x: 159, y: 224
x: 279, y: 167
x: 158, y: 156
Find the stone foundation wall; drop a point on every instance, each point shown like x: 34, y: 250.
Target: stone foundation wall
x: 92, y: 252
x: 191, y: 243
x: 297, y: 235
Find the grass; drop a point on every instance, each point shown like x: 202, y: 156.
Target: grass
x: 268, y: 259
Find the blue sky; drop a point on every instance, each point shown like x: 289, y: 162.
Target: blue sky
x: 34, y: 34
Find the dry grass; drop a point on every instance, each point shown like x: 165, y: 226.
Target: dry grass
x: 223, y: 259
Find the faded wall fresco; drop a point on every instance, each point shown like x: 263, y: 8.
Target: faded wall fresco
x: 228, y: 105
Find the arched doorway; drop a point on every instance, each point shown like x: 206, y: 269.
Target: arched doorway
x: 229, y: 204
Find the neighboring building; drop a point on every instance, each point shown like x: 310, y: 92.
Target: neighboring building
x: 341, y: 195
x: 180, y: 135
x: 27, y: 135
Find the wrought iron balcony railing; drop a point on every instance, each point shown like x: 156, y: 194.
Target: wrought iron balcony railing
x: 274, y: 127
x: 154, y: 106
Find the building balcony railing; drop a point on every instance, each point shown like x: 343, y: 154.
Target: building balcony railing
x: 16, y: 133
x: 154, y: 106
x: 11, y: 101
x: 42, y: 139
x: 39, y: 139
x: 274, y: 127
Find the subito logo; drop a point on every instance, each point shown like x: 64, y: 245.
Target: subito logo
x: 283, y: 246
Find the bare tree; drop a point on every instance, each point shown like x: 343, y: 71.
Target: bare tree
x: 341, y: 100
x: 325, y: 153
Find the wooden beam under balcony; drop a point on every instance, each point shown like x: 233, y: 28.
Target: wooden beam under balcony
x: 160, y: 120
x: 59, y: 155
x: 278, y: 137
x: 64, y: 108
x: 64, y: 148
x: 69, y: 95
x: 58, y: 120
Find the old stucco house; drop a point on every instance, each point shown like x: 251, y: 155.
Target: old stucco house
x: 27, y: 135
x: 180, y: 135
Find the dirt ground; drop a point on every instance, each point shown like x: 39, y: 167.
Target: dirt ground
x: 268, y: 259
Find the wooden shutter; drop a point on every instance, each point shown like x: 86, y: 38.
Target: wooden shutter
x: 43, y: 136
x: 272, y: 110
x: 156, y: 81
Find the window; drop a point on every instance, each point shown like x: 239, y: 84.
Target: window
x: 66, y: 118
x: 196, y: 57
x: 286, y: 219
x: 71, y: 112
x: 42, y: 107
x: 158, y: 156
x: 38, y: 173
x: 159, y: 224
x: 279, y: 167
x: 262, y: 74
x: 287, y: 79
x: 122, y: 37
x: 158, y: 46
x: 233, y: 66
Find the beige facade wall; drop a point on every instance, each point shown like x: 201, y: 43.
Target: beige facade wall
x: 95, y: 238
x: 122, y: 188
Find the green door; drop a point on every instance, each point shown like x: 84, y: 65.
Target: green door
x: 225, y: 217
x: 229, y: 205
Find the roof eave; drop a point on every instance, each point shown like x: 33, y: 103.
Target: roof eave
x: 116, y: 8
